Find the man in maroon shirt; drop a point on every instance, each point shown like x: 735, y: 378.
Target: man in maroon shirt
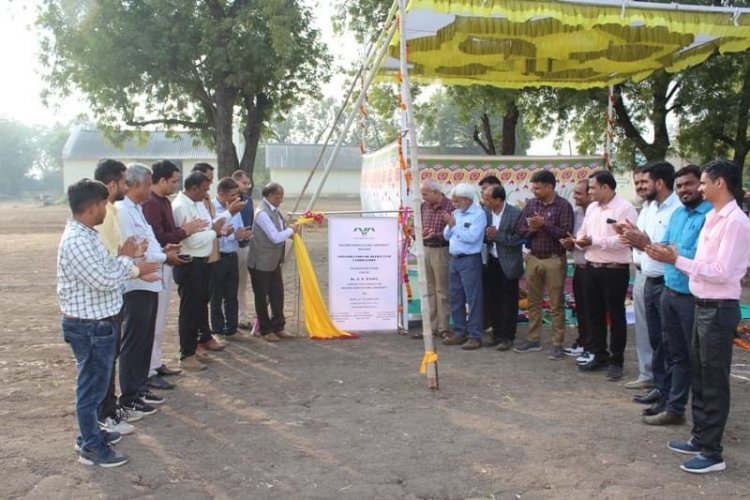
x: 434, y: 205
x: 157, y: 210
x: 545, y: 219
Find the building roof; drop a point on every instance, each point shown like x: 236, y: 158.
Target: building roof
x: 305, y: 155
x: 85, y: 143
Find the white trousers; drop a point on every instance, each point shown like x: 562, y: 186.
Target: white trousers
x: 642, y: 341
x: 161, y: 320
x: 242, y: 295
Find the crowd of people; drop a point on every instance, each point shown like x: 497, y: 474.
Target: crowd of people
x: 128, y: 241
x: 121, y: 251
x: 689, y: 246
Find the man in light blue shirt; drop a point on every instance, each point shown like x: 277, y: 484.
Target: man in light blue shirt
x: 224, y: 280
x: 464, y: 232
x: 677, y: 303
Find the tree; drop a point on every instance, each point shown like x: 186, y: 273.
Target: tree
x: 181, y: 63
x: 17, y: 155
x: 715, y: 106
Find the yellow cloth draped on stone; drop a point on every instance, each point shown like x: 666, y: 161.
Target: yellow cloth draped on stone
x: 317, y: 319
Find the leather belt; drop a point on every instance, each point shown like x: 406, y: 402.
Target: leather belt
x: 656, y: 280
x: 435, y: 245
x: 580, y: 266
x: 109, y: 319
x: 544, y: 256
x: 462, y: 255
x: 675, y: 293
x: 607, y: 265
x: 716, y: 302
x: 227, y: 254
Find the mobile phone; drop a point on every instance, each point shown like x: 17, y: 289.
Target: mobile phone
x: 611, y: 221
x: 185, y: 257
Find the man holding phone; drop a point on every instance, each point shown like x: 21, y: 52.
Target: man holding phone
x: 607, y: 273
x: 224, y: 280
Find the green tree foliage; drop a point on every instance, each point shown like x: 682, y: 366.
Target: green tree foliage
x: 17, y: 155
x: 714, y: 105
x: 186, y: 64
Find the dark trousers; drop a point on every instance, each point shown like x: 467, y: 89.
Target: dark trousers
x: 204, y: 328
x: 710, y: 360
x: 465, y: 280
x: 138, y: 323
x: 268, y: 287
x: 225, y: 280
x: 192, y: 287
x: 605, y: 292
x: 109, y: 405
x: 502, y: 301
x: 579, y: 281
x: 677, y: 316
x: 652, y: 291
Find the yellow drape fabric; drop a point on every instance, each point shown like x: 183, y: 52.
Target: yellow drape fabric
x: 317, y: 319
x: 527, y: 43
x: 429, y: 357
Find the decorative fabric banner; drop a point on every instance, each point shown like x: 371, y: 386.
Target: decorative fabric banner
x: 317, y: 319
x: 532, y: 43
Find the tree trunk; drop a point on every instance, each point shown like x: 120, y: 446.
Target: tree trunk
x: 256, y: 109
x: 487, y: 128
x: 510, y: 122
x: 226, y: 153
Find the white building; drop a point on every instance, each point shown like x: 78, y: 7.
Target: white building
x: 86, y: 146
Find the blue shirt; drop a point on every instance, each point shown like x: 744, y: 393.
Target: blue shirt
x: 228, y: 244
x: 247, y: 213
x: 467, y: 235
x: 684, y: 228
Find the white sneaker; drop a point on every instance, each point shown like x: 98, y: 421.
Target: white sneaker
x: 128, y: 414
x: 116, y: 425
x: 584, y: 358
x: 574, y: 350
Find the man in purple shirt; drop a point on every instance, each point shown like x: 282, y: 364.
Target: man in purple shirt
x: 545, y: 220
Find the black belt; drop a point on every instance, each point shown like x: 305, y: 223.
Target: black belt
x: 580, y: 266
x: 656, y: 280
x: 608, y: 265
x: 435, y: 245
x: 675, y: 293
x: 462, y: 255
x: 716, y: 302
x: 545, y: 256
x: 109, y: 319
x: 198, y: 258
x: 227, y: 254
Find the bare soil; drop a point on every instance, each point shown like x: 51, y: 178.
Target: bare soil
x: 337, y: 419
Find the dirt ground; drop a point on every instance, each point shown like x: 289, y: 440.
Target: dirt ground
x: 338, y: 419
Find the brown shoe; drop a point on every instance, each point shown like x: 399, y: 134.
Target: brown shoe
x: 271, y: 337
x: 639, y: 384
x: 244, y: 325
x: 212, y: 345
x: 663, y: 418
x: 202, y: 356
x: 445, y: 334
x: 472, y: 344
x: 239, y: 337
x: 283, y: 334
x: 191, y: 364
x: 454, y: 340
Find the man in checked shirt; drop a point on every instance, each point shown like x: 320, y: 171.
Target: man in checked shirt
x: 89, y: 289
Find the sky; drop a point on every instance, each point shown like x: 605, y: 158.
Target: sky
x: 22, y: 83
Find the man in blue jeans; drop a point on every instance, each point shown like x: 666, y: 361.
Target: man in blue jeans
x: 89, y: 289
x: 464, y: 232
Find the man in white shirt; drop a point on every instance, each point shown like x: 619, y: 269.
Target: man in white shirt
x: 192, y: 277
x: 141, y: 297
x: 662, y: 204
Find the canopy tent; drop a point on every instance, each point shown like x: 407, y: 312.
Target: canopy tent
x: 575, y: 44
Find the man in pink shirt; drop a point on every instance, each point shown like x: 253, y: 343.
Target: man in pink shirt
x: 608, y: 272
x: 714, y: 275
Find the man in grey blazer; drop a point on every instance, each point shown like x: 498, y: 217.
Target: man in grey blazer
x: 504, y: 266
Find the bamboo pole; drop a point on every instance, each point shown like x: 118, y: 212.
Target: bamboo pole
x: 416, y: 200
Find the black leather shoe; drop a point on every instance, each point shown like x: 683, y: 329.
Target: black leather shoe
x: 156, y: 382
x: 594, y: 364
x: 491, y: 343
x: 650, y: 397
x: 165, y: 372
x: 416, y: 335
x: 654, y: 409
